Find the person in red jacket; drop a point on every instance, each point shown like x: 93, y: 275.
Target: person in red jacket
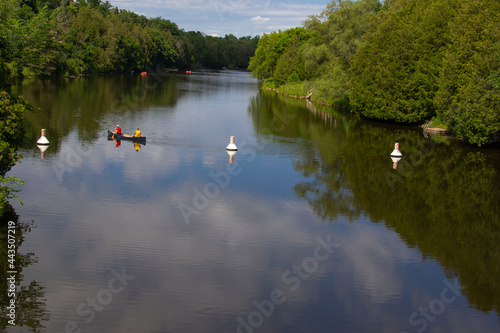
x: 118, y: 129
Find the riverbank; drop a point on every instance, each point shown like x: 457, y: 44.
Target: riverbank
x: 308, y: 96
x: 433, y: 127
x: 437, y: 131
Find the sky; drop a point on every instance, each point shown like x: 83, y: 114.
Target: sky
x: 224, y: 17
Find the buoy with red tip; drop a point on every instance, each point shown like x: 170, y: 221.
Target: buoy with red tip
x: 396, y: 152
x: 43, y: 140
x: 231, y: 146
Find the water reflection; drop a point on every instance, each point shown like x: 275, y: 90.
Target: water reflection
x: 85, y: 103
x: 301, y: 173
x: 442, y: 198
x: 118, y: 143
x: 30, y: 302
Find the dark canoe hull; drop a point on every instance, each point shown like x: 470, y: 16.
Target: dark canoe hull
x: 122, y: 136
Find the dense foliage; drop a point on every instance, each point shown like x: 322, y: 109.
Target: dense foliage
x: 469, y: 85
x: 404, y: 61
x: 328, y: 58
x: 12, y: 109
x: 81, y: 37
x: 321, y: 53
x: 394, y: 75
x: 277, y: 55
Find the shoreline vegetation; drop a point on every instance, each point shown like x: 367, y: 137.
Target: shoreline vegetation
x: 71, y: 38
x: 152, y: 71
x: 432, y: 63
x: 432, y: 127
x: 12, y: 109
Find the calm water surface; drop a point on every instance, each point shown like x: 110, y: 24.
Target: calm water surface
x: 309, y: 227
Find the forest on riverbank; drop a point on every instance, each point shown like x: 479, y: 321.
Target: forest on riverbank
x: 404, y: 61
x: 48, y: 37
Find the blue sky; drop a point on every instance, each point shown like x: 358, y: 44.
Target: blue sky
x: 222, y: 17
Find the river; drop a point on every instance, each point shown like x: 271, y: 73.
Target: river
x: 309, y: 227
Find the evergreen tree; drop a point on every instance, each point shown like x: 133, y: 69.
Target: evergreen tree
x: 469, y: 84
x: 394, y: 74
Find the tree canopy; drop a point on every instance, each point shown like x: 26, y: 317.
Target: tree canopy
x: 274, y: 51
x: 40, y: 38
x: 468, y: 97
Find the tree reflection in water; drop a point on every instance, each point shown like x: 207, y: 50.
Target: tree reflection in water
x: 443, y: 198
x: 30, y: 298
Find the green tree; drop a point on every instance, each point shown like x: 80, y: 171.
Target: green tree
x: 469, y: 84
x: 346, y: 22
x: 48, y: 37
x: 271, y: 47
x: 327, y: 57
x: 41, y: 52
x: 289, y: 63
x: 11, y: 133
x: 394, y: 74
x: 165, y: 51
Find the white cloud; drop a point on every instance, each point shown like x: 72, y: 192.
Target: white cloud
x: 259, y: 19
x: 237, y: 17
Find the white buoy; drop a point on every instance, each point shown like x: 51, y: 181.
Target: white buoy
x: 43, y: 140
x: 396, y: 152
x: 231, y: 146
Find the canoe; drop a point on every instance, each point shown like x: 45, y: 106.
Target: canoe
x: 123, y: 136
